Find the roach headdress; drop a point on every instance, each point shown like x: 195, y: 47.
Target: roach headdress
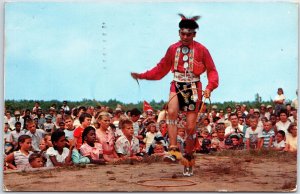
x: 189, y: 23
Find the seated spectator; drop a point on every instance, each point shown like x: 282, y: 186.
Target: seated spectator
x: 252, y: 134
x: 85, y: 121
x: 198, y: 146
x: 21, y: 156
x: 105, y: 136
x: 36, y: 134
x: 90, y: 148
x: 284, y: 123
x: 36, y: 160
x: 266, y: 140
x: 180, y: 137
x: 235, y: 127
x: 291, y: 138
x: 215, y: 144
x: 236, y: 144
x: 49, y: 126
x: 58, y: 155
x: 69, y: 130
x: 16, y: 134
x: 151, y: 132
x: 228, y: 144
x: 279, y: 143
x: 127, y: 146
x: 8, y: 141
x: 206, y: 146
x: 158, y: 139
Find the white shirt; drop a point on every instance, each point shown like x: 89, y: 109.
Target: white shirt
x: 279, y: 97
x: 283, y: 126
x: 36, y: 138
x: 230, y: 129
x: 279, y: 145
x: 59, y: 158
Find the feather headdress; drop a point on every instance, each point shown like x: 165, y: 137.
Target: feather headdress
x: 189, y: 23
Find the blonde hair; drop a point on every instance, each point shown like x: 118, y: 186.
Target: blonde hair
x: 103, y: 114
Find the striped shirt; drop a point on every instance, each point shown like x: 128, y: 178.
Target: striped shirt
x: 21, y: 160
x: 267, y: 136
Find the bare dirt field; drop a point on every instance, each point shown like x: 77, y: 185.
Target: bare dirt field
x: 227, y: 171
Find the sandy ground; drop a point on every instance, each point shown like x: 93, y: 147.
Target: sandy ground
x: 238, y: 172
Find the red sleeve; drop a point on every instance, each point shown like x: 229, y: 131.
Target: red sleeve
x: 161, y: 69
x: 212, y: 74
x: 77, y: 133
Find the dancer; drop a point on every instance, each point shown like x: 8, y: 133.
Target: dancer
x: 187, y: 59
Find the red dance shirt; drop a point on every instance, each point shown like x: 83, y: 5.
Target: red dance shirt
x: 202, y: 62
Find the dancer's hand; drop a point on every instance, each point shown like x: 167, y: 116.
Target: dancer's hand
x: 207, y: 93
x: 134, y: 75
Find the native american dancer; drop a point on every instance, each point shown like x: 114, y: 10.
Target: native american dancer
x: 187, y: 60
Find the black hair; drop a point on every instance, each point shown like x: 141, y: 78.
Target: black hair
x: 82, y: 108
x: 188, y: 23
x: 83, y: 116
x: 86, y: 131
x: 135, y: 112
x: 18, y: 123
x: 282, y: 133
x: 55, y: 137
x: 283, y: 111
x: 22, y: 139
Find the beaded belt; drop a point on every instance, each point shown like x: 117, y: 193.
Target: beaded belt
x: 185, y: 77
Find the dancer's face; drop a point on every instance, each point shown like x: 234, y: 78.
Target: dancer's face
x: 186, y: 38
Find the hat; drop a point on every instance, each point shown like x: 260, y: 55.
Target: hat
x: 142, y: 117
x: 52, y: 108
x: 206, y: 142
x: 244, y: 105
x: 214, y: 107
x: 35, y: 117
x: 17, y: 112
x: 118, y: 109
x: 262, y: 105
x: 48, y: 117
x: 256, y: 110
x: 221, y: 121
x: 269, y: 106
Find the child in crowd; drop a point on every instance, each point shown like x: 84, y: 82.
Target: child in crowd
x: 43, y: 147
x: 90, y: 148
x: 266, y: 140
x: 151, y: 132
x: 85, y: 121
x: 58, y: 155
x: 158, y: 139
x: 36, y: 160
x: 8, y: 146
x: 105, y: 136
x: 69, y: 129
x: 236, y: 144
x: 159, y: 149
x: 228, y: 144
x: 206, y: 146
x: 48, y: 141
x: 180, y: 137
x: 49, y: 126
x: 252, y: 134
x: 215, y: 144
x: 199, y: 144
x: 127, y: 146
x: 21, y: 156
x: 279, y: 143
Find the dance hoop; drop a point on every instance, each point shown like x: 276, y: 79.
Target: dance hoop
x: 184, y: 181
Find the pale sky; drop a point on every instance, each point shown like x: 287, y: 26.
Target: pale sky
x: 71, y: 51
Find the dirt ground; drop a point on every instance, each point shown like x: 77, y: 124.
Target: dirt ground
x: 242, y: 172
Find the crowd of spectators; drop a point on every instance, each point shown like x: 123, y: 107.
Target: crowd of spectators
x: 99, y: 135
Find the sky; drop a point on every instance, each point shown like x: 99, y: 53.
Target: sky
x: 75, y: 51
